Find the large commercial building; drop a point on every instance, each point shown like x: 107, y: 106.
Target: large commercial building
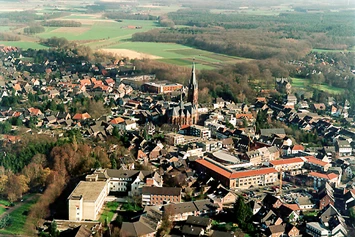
x: 87, y: 199
x: 237, y: 179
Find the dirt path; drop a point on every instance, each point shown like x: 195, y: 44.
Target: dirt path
x: 12, y: 209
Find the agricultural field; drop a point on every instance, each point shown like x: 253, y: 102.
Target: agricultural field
x: 304, y: 84
x: 98, y: 29
x: 175, y: 54
x: 23, y: 44
x: 333, y: 50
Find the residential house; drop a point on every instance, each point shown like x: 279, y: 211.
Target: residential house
x: 343, y: 147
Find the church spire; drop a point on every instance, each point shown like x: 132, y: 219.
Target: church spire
x: 193, y: 87
x: 181, y: 101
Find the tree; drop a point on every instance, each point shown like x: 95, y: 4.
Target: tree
x: 53, y: 232
x: 243, y: 214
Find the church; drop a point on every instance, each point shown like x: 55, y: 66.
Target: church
x: 186, y: 113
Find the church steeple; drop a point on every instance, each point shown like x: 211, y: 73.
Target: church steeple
x: 192, y: 94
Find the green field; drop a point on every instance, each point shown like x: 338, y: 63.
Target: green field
x: 303, y: 84
x: 109, y: 211
x: 100, y: 30
x: 23, y: 44
x: 179, y: 54
x: 99, y: 33
x: 4, y: 28
x: 18, y: 218
x: 333, y: 50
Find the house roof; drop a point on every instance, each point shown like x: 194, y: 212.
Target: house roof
x: 135, y: 229
x: 313, y: 160
x: 198, y: 221
x: 298, y: 147
x: 171, y: 191
x: 276, y: 229
x: 293, y: 207
x: 117, y: 120
x: 191, y: 230
x: 286, y: 161
x: 323, y: 176
x: 81, y: 116
x: 224, y: 171
x: 217, y: 233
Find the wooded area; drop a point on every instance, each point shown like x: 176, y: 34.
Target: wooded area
x: 285, y: 37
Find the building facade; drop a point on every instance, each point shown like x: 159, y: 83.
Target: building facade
x: 186, y: 113
x: 87, y: 199
x: 160, y: 195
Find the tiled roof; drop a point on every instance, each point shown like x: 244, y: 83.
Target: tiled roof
x: 249, y: 173
x: 117, y: 120
x: 323, y: 176
x: 237, y: 174
x: 298, y: 148
x: 313, y: 160
x: 286, y: 161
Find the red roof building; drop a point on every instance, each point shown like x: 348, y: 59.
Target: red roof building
x: 237, y: 179
x: 81, y: 116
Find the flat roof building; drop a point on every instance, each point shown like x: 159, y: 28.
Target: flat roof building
x: 87, y: 199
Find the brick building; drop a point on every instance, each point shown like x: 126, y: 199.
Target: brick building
x: 160, y: 195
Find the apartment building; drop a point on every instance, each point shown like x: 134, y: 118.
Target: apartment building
x: 237, y: 179
x: 287, y: 164
x: 160, y: 195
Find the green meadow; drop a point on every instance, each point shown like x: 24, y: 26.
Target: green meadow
x: 99, y: 30
x: 179, y: 54
x: 23, y: 44
x: 304, y: 84
x: 18, y: 219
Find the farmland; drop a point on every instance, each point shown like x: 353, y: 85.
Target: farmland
x: 179, y: 54
x: 23, y: 44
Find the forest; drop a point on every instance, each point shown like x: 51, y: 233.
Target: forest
x: 288, y: 36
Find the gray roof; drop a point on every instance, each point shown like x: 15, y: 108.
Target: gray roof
x: 135, y: 229
x: 198, y: 221
x: 161, y: 191
x: 271, y: 131
x: 191, y: 230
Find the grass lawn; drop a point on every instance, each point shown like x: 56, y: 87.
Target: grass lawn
x: 329, y: 89
x: 311, y: 213
x: 2, y: 210
x: 130, y: 207
x: 18, y: 218
x: 109, y: 211
x: 301, y: 83
x: 4, y: 202
x: 23, y: 44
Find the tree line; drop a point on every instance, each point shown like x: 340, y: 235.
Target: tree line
x: 9, y: 37
x: 33, y: 30
x: 128, y: 16
x: 58, y: 23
